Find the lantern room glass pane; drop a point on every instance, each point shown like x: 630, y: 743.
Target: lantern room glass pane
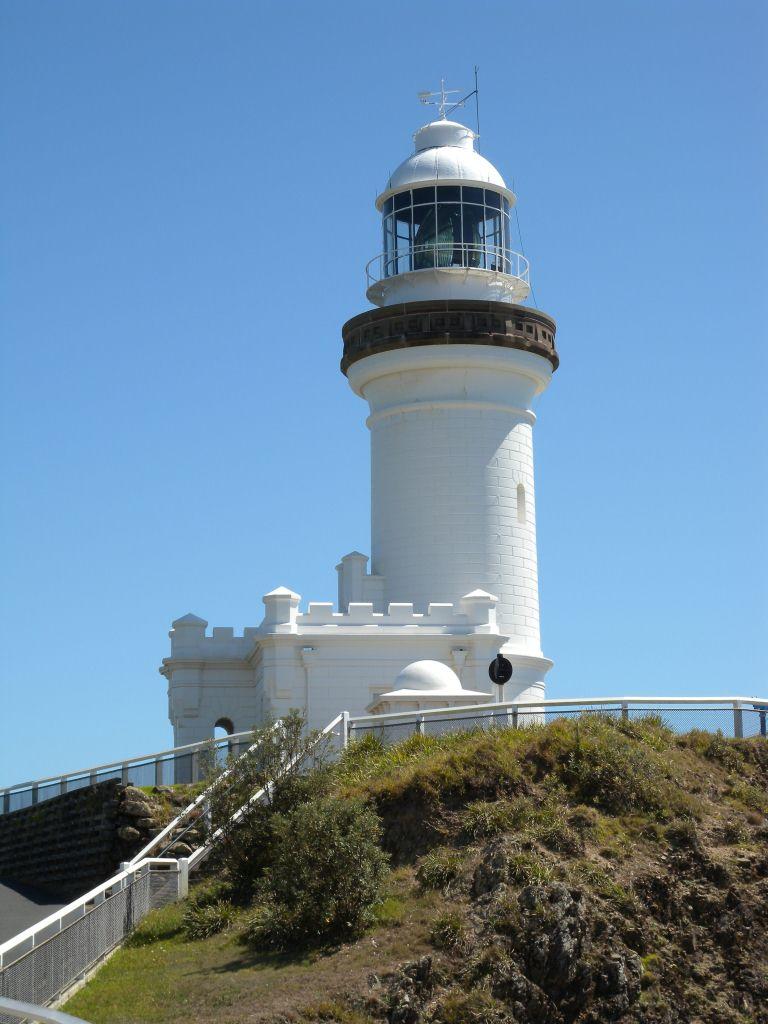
x: 402, y: 199
x: 387, y: 207
x: 449, y: 251
x: 472, y: 195
x: 493, y: 240
x: 492, y: 199
x: 423, y: 195
x: 472, y: 234
x: 403, y: 240
x: 449, y: 193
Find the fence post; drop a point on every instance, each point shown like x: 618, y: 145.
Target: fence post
x: 344, y: 730
x: 35, y: 794
x: 183, y: 877
x: 6, y: 801
x: 515, y: 715
x: 624, y: 711
x: 738, y: 720
x: 195, y: 766
x: 63, y: 784
x: 763, y: 715
x: 158, y: 771
x: 92, y: 778
x: 420, y: 725
x: 124, y: 774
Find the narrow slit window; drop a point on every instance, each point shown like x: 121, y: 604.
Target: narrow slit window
x: 521, y: 518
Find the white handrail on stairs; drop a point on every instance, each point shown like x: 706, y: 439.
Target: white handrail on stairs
x: 187, y: 812
x: 201, y: 853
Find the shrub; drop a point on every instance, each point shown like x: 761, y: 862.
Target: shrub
x: 438, y: 869
x: 529, y: 869
x: 214, y: 890
x: 485, y: 818
x: 324, y: 879
x: 200, y: 921
x: 277, y: 766
x: 750, y: 796
x: 476, y: 1007
x: 448, y: 932
x: 610, y: 770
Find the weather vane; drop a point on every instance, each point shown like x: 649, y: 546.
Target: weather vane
x: 445, y: 105
x: 431, y: 99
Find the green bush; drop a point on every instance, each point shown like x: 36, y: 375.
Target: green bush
x: 448, y: 932
x: 438, y: 869
x: 202, y: 921
x: 606, y: 768
x: 476, y: 1007
x: 484, y: 818
x: 325, y: 876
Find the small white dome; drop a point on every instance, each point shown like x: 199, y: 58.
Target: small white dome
x: 428, y: 675
x: 445, y: 152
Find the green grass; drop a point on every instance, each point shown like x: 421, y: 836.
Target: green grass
x: 589, y: 802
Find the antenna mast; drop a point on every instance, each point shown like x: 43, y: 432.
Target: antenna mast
x: 440, y: 100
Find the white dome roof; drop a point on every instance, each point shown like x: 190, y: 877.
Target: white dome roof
x: 428, y: 675
x: 445, y: 152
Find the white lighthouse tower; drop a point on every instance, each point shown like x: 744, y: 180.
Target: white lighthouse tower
x: 450, y: 364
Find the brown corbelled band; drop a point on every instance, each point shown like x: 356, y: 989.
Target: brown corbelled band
x: 449, y: 322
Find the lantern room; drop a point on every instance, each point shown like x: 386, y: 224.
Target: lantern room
x: 447, y: 229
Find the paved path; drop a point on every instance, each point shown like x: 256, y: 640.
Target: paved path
x: 22, y: 906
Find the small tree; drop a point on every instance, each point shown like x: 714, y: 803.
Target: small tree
x: 326, y: 876
x: 284, y: 768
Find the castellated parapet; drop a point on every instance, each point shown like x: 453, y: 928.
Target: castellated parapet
x: 326, y: 661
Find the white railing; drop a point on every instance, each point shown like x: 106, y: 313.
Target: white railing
x: 514, y: 713
x: 202, y: 853
x: 156, y: 767
x: 12, y: 1009
x: 47, y: 958
x: 447, y: 256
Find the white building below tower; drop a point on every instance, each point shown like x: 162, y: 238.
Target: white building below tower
x: 449, y: 364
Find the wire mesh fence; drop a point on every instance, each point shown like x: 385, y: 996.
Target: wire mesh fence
x: 46, y: 970
x: 170, y: 768
x: 725, y: 720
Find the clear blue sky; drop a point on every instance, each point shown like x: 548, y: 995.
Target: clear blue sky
x: 186, y: 197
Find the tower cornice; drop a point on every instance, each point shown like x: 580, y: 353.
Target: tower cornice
x: 447, y: 322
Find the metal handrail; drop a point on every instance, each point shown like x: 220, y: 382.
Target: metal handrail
x: 42, y: 1014
x: 62, y: 918
x: 471, y: 258
x: 735, y: 703
x: 141, y: 759
x: 202, y: 852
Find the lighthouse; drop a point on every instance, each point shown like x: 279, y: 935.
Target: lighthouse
x: 450, y: 364
x: 449, y: 361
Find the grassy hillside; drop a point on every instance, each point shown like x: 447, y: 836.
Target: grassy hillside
x: 584, y: 871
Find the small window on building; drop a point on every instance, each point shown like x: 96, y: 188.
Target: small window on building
x: 529, y: 329
x: 520, y: 503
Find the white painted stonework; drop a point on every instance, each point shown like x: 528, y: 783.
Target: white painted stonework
x: 453, y: 576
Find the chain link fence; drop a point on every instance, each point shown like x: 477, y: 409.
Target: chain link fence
x: 746, y: 721
x: 41, y: 973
